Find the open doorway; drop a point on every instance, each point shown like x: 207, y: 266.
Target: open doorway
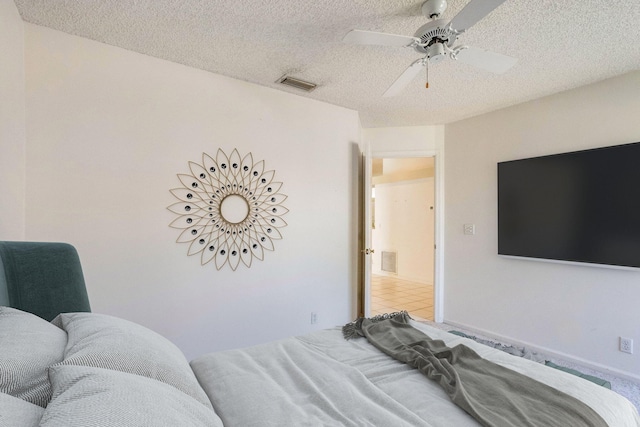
x: 403, y: 236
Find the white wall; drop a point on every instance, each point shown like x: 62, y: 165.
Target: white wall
x: 405, y: 140
x: 12, y: 123
x: 109, y: 130
x: 405, y: 224
x: 577, y: 310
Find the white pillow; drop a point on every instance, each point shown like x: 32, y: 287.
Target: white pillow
x: 87, y: 397
x: 18, y: 412
x: 108, y: 342
x: 28, y: 346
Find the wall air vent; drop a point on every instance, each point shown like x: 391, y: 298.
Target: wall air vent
x: 389, y: 262
x: 297, y: 83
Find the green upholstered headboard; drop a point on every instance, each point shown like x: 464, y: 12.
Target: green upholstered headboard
x: 43, y: 278
x: 4, y: 296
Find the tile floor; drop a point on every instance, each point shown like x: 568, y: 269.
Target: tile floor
x: 389, y: 294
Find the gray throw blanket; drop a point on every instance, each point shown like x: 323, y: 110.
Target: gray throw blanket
x: 492, y: 394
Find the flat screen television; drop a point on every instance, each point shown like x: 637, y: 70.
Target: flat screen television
x: 582, y: 206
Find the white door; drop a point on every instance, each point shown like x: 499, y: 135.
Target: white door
x: 365, y: 249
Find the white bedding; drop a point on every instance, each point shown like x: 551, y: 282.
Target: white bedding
x: 322, y: 379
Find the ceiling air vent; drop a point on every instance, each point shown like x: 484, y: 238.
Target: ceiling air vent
x: 297, y: 83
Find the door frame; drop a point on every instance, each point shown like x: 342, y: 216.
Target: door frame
x: 438, y: 265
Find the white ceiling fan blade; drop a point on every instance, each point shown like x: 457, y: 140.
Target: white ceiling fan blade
x: 405, y: 78
x: 474, y: 11
x: 383, y: 39
x: 490, y: 61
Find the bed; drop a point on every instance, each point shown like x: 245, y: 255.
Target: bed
x: 88, y: 369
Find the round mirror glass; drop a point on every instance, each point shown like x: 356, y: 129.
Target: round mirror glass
x: 234, y: 209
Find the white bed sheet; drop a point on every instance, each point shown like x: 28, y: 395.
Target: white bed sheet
x: 321, y: 379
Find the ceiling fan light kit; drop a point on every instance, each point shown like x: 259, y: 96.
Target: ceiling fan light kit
x: 436, y: 41
x: 436, y: 53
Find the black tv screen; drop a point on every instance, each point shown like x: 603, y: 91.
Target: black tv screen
x: 582, y: 206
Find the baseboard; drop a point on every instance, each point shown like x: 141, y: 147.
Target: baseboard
x: 547, y: 351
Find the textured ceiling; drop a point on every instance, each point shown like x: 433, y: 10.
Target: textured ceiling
x: 560, y: 44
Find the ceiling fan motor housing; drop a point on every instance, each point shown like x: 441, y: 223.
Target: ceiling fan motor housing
x: 435, y: 32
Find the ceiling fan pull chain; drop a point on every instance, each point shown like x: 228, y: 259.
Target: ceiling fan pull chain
x: 426, y: 67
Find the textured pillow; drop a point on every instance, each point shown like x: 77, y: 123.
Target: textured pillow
x: 28, y: 346
x: 108, y: 342
x: 88, y: 397
x: 18, y: 412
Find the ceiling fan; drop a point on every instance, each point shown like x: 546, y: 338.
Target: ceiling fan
x: 436, y: 40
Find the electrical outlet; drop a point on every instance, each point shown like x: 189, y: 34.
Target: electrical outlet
x: 314, y: 317
x: 626, y: 345
x: 469, y: 229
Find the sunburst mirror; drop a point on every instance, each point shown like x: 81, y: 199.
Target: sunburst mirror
x: 229, y: 210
